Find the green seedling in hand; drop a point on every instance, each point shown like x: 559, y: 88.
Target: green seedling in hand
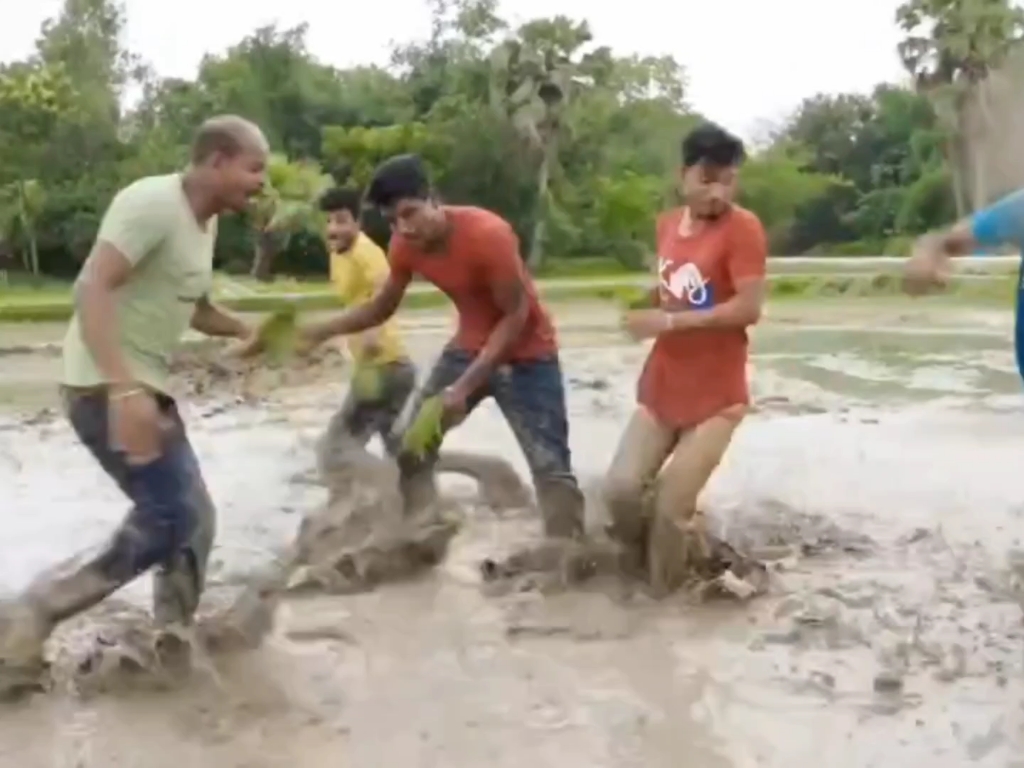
x: 279, y: 333
x: 635, y: 299
x: 425, y: 430
x: 367, y: 381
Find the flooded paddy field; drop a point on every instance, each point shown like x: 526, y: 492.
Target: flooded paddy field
x: 880, y: 476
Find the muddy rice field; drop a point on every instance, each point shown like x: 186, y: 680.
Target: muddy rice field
x: 881, y: 478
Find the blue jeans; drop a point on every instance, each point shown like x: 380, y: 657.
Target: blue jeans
x: 171, y: 525
x: 531, y: 396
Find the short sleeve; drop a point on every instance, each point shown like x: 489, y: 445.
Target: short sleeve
x: 372, y: 262
x: 748, y: 248
x: 1000, y: 223
x: 399, y: 261
x: 500, y: 246
x: 136, y: 222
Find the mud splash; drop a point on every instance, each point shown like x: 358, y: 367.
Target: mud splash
x: 891, y: 632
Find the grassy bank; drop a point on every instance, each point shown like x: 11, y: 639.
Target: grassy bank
x: 994, y: 290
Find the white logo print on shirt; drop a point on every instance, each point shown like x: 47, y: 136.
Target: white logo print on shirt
x: 684, y: 282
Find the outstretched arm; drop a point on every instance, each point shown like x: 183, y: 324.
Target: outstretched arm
x: 212, y: 320
x: 362, y: 316
x: 999, y: 224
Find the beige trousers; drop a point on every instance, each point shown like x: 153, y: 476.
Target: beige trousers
x: 658, y: 472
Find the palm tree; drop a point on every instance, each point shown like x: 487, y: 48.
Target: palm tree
x: 950, y: 48
x: 286, y: 206
x: 531, y: 86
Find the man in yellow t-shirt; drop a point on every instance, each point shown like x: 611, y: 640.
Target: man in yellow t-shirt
x: 358, y: 269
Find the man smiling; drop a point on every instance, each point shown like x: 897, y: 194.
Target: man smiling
x: 147, y: 279
x: 505, y: 345
x: 359, y: 269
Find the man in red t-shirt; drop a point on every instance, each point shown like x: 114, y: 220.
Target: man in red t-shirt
x: 692, y: 393
x: 505, y: 345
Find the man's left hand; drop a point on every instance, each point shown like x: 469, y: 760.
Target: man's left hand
x: 643, y: 324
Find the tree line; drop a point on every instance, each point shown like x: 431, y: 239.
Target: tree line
x: 574, y: 143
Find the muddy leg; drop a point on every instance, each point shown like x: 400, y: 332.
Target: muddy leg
x: 643, y: 448
x: 350, y: 427
x: 398, y: 386
x: 500, y: 485
x: 418, y: 475
x: 155, y: 531
x: 179, y: 582
x: 358, y: 419
x: 531, y: 396
x: 677, y: 541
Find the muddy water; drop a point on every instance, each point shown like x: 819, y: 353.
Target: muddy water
x: 879, y: 475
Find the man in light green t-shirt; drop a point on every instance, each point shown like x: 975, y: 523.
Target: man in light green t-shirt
x: 146, y: 281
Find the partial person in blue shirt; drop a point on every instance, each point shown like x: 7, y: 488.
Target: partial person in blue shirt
x: 1002, y: 223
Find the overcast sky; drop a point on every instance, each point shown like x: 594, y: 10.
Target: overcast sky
x: 749, y: 61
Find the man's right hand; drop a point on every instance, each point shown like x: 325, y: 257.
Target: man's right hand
x: 309, y: 337
x: 927, y: 269
x: 135, y: 423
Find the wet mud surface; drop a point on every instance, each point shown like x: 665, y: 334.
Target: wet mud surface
x: 878, y: 480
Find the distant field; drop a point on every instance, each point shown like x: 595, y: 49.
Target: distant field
x: 987, y: 280
x: 590, y: 273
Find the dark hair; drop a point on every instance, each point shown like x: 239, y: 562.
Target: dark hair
x: 341, y: 199
x: 398, y: 178
x: 711, y: 144
x: 221, y: 135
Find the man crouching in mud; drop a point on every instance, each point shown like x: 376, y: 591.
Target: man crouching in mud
x: 504, y: 347
x: 147, y: 279
x: 1002, y: 223
x: 693, y: 390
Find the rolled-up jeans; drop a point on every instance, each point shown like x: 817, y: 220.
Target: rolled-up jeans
x: 170, y: 527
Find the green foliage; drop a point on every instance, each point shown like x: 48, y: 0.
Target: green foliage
x: 576, y: 145
x: 425, y: 432
x: 278, y: 333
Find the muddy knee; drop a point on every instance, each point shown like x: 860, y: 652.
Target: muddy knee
x: 624, y: 498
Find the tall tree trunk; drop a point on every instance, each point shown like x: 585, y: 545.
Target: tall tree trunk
x: 540, y: 214
x: 981, y: 144
x: 979, y: 181
x: 27, y: 223
x: 33, y: 249
x: 955, y: 158
x: 263, y: 262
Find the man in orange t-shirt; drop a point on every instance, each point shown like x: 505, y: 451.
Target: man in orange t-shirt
x: 693, y: 391
x: 505, y: 345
